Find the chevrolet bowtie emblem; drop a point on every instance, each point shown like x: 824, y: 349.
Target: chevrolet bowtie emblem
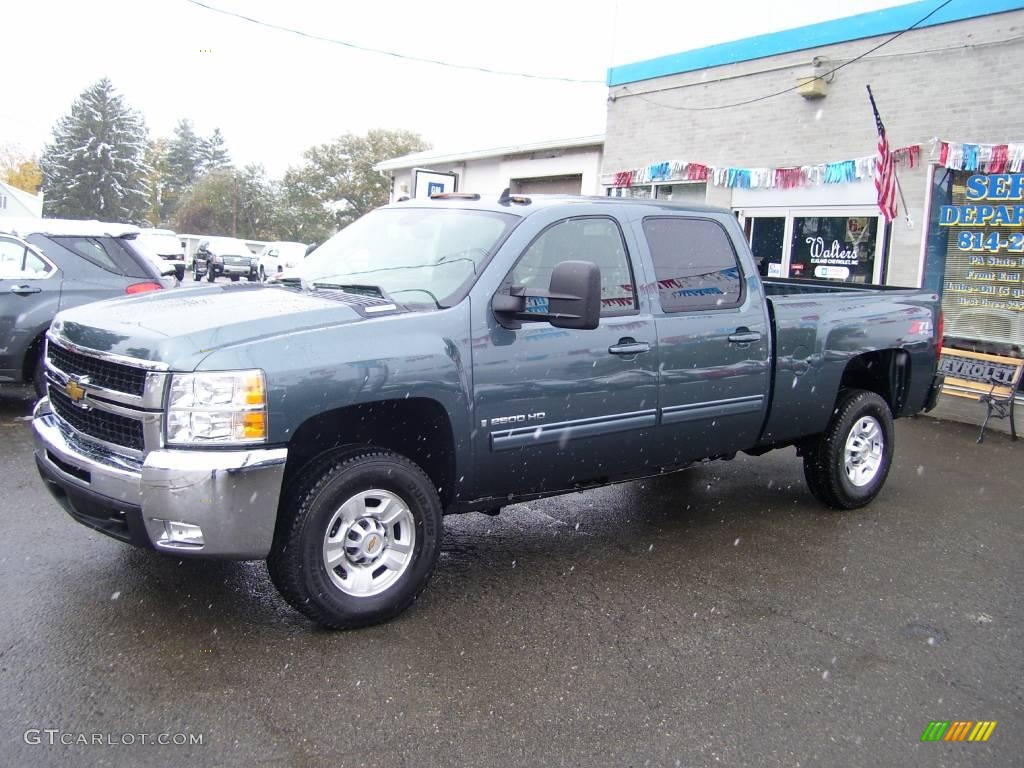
x: 74, y: 391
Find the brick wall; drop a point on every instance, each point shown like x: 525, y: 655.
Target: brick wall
x: 927, y: 83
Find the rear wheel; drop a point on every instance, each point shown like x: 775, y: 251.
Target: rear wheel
x: 39, y: 372
x: 847, y: 465
x: 234, y: 278
x: 360, y: 540
x: 263, y: 274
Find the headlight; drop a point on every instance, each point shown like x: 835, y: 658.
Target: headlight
x: 221, y: 407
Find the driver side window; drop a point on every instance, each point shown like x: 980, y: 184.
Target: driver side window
x: 584, y: 239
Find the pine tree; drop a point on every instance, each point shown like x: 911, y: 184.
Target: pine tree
x: 214, y: 152
x: 185, y: 154
x: 94, y: 168
x: 184, y: 164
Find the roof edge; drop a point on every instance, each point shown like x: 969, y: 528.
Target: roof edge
x: 858, y: 27
x: 417, y: 158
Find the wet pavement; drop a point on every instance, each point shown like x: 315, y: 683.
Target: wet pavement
x: 715, y: 617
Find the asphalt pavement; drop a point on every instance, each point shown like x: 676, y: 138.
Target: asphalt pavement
x: 719, y: 616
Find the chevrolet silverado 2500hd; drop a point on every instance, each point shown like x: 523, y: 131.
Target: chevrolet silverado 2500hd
x: 461, y: 354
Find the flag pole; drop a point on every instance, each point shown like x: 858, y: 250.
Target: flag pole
x: 895, y: 175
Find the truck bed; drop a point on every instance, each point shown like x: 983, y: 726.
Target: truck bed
x: 779, y: 286
x: 818, y: 326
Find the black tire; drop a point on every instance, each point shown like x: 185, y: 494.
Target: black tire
x: 253, y: 278
x: 39, y: 372
x: 209, y: 275
x: 234, y: 278
x: 296, y: 561
x: 263, y: 274
x: 195, y: 273
x: 825, y: 458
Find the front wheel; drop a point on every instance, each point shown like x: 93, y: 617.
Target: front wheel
x: 209, y: 275
x: 195, y: 273
x: 847, y: 465
x: 359, y: 541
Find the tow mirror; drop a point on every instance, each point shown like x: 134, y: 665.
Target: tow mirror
x: 573, y: 299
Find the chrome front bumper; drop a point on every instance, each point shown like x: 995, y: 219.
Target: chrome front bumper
x: 231, y: 495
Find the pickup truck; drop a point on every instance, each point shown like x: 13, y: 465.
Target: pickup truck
x: 460, y: 354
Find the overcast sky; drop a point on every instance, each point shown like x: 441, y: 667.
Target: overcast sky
x: 273, y: 93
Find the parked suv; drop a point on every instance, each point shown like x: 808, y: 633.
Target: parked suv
x: 224, y: 257
x: 164, y: 245
x: 47, y: 265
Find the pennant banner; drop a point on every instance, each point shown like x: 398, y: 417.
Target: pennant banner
x: 840, y: 172
x: 986, y: 158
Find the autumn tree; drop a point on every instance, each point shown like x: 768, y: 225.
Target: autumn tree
x: 337, y: 184
x: 20, y: 169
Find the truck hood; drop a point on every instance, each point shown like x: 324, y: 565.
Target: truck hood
x: 182, y: 327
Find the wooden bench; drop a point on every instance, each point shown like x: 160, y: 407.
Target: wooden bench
x: 988, y: 379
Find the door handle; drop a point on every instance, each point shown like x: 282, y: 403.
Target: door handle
x: 629, y: 346
x: 25, y: 290
x: 744, y: 336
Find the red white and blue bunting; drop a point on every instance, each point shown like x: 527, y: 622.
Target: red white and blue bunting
x: 839, y: 172
x: 975, y: 156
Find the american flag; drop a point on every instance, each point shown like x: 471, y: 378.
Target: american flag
x: 885, y: 168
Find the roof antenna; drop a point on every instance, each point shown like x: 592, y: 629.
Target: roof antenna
x: 505, y: 196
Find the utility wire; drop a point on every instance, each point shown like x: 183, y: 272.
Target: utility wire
x: 393, y: 54
x: 882, y: 44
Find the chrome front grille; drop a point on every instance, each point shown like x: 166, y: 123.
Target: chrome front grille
x: 114, y: 401
x: 102, y: 373
x: 108, y: 427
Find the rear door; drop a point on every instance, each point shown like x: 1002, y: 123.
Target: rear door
x: 713, y: 337
x: 29, y: 298
x: 556, y: 407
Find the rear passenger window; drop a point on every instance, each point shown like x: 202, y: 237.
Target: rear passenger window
x: 695, y: 264
x: 585, y: 239
x: 104, y: 252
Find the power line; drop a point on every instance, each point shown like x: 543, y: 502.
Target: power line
x: 882, y: 44
x: 393, y: 54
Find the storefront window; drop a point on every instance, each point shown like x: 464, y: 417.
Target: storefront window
x: 639, y: 193
x: 767, y: 237
x: 983, y: 292
x: 682, y: 193
x: 834, y: 248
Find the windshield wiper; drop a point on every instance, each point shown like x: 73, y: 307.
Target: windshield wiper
x: 421, y: 290
x: 355, y: 288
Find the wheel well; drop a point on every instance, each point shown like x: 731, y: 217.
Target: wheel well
x: 417, y: 428
x: 35, y: 349
x: 886, y: 373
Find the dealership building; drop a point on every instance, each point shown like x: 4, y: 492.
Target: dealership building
x: 779, y: 128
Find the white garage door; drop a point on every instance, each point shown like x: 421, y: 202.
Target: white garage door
x: 549, y: 185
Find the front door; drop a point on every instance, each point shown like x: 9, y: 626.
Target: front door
x: 713, y: 339
x: 29, y: 297
x: 556, y: 408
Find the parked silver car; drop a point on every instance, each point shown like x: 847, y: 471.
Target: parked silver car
x: 47, y: 265
x: 281, y: 257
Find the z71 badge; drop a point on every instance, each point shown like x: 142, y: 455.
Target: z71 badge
x: 519, y: 418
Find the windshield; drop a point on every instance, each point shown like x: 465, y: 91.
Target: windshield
x: 426, y: 255
x: 161, y: 245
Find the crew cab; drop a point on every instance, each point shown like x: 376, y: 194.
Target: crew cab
x: 461, y: 354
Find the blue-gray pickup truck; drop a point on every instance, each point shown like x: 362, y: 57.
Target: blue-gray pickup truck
x: 460, y: 354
